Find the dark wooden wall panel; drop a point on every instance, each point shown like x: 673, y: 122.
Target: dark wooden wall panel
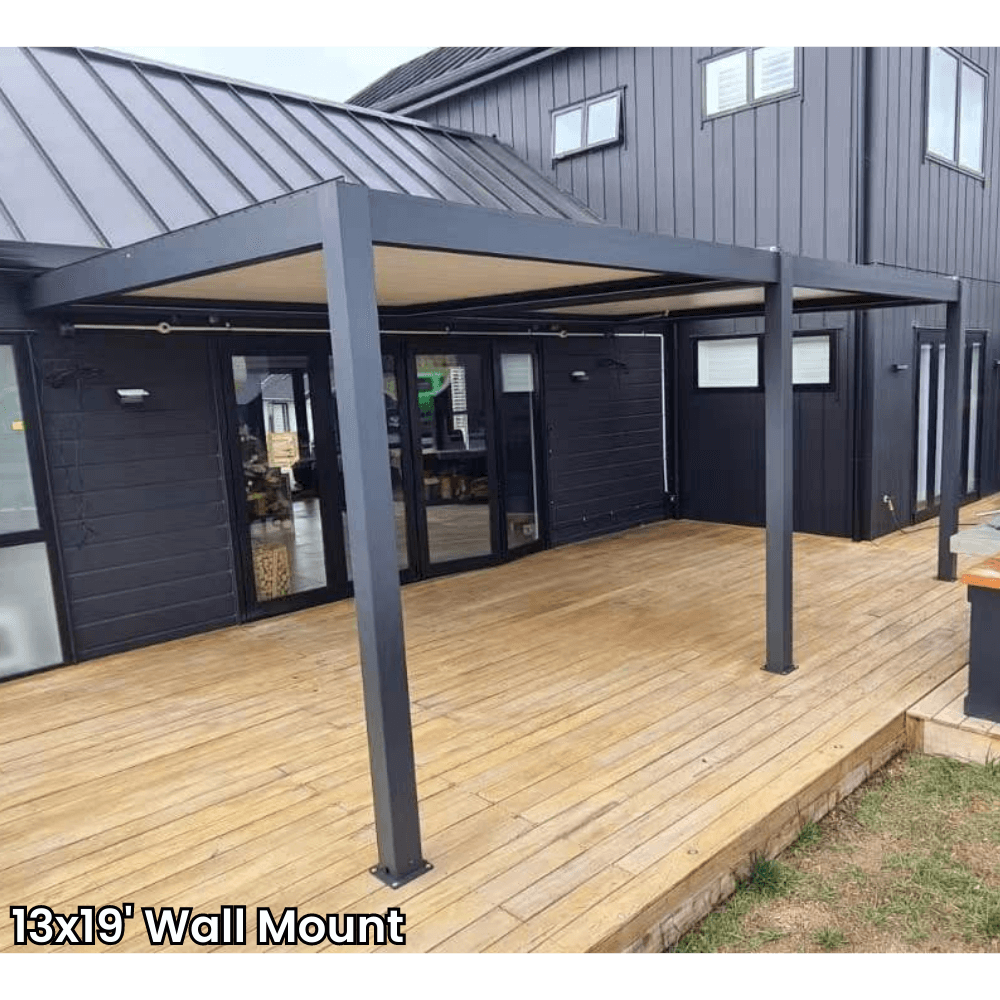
x: 11, y: 316
x: 722, y: 455
x: 140, y: 498
x: 605, y: 443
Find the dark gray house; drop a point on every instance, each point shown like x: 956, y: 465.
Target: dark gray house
x: 259, y: 351
x: 870, y: 155
x: 170, y: 459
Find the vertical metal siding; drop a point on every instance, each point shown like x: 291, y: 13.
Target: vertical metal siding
x: 938, y: 219
x: 777, y: 174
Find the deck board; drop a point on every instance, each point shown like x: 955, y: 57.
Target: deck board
x: 597, y: 747
x: 937, y: 724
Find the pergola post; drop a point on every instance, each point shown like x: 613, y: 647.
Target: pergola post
x: 357, y: 357
x: 951, y: 440
x: 779, y: 465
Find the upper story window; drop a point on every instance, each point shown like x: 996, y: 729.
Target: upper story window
x: 956, y: 104
x: 587, y: 124
x: 747, y: 77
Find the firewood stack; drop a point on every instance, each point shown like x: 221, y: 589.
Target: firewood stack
x: 271, y: 570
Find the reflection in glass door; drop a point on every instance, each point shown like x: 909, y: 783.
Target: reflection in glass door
x: 29, y: 625
x: 398, y: 465
x: 454, y: 457
x: 285, y: 477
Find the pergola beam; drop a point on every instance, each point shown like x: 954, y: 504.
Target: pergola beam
x: 428, y: 224
x: 872, y: 279
x: 278, y: 228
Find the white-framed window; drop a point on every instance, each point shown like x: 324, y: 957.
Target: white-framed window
x: 735, y: 362
x: 587, y: 124
x: 956, y: 110
x: 747, y: 77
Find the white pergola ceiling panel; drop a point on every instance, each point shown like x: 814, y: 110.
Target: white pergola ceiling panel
x: 403, y: 277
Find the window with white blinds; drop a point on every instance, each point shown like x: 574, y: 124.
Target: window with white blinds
x: 811, y: 360
x: 734, y: 362
x: 747, y: 77
x: 729, y: 364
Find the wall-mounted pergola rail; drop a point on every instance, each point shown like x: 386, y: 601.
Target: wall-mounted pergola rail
x: 359, y: 250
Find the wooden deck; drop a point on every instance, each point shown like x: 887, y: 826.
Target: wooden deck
x: 598, y: 749
x: 938, y: 725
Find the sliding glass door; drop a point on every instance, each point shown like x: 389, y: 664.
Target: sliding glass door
x: 463, y: 427
x: 30, y: 633
x: 474, y: 416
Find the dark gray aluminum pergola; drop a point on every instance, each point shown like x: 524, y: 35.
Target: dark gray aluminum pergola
x: 349, y: 224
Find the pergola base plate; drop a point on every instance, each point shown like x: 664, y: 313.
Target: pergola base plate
x: 398, y: 881
x: 780, y: 670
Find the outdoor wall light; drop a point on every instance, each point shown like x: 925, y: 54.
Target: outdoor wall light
x: 132, y: 399
x: 579, y: 376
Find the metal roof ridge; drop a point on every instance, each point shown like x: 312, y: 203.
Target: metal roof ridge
x: 449, y: 78
x: 141, y: 62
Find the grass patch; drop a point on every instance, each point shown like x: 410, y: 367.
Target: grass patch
x: 907, y: 863
x: 769, y: 879
x: 724, y: 929
x: 830, y: 939
x: 810, y: 836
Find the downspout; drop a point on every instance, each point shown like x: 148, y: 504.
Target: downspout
x: 863, y: 398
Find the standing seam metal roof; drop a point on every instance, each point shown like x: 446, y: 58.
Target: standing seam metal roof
x: 432, y: 71
x: 104, y: 150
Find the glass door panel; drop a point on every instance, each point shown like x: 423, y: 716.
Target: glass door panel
x: 397, y: 464
x: 29, y: 625
x: 939, y: 424
x: 454, y: 463
x: 17, y: 495
x: 29, y: 628
x: 283, y: 486
x: 923, y: 423
x: 972, y: 436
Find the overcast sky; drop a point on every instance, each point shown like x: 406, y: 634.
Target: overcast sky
x: 331, y: 73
